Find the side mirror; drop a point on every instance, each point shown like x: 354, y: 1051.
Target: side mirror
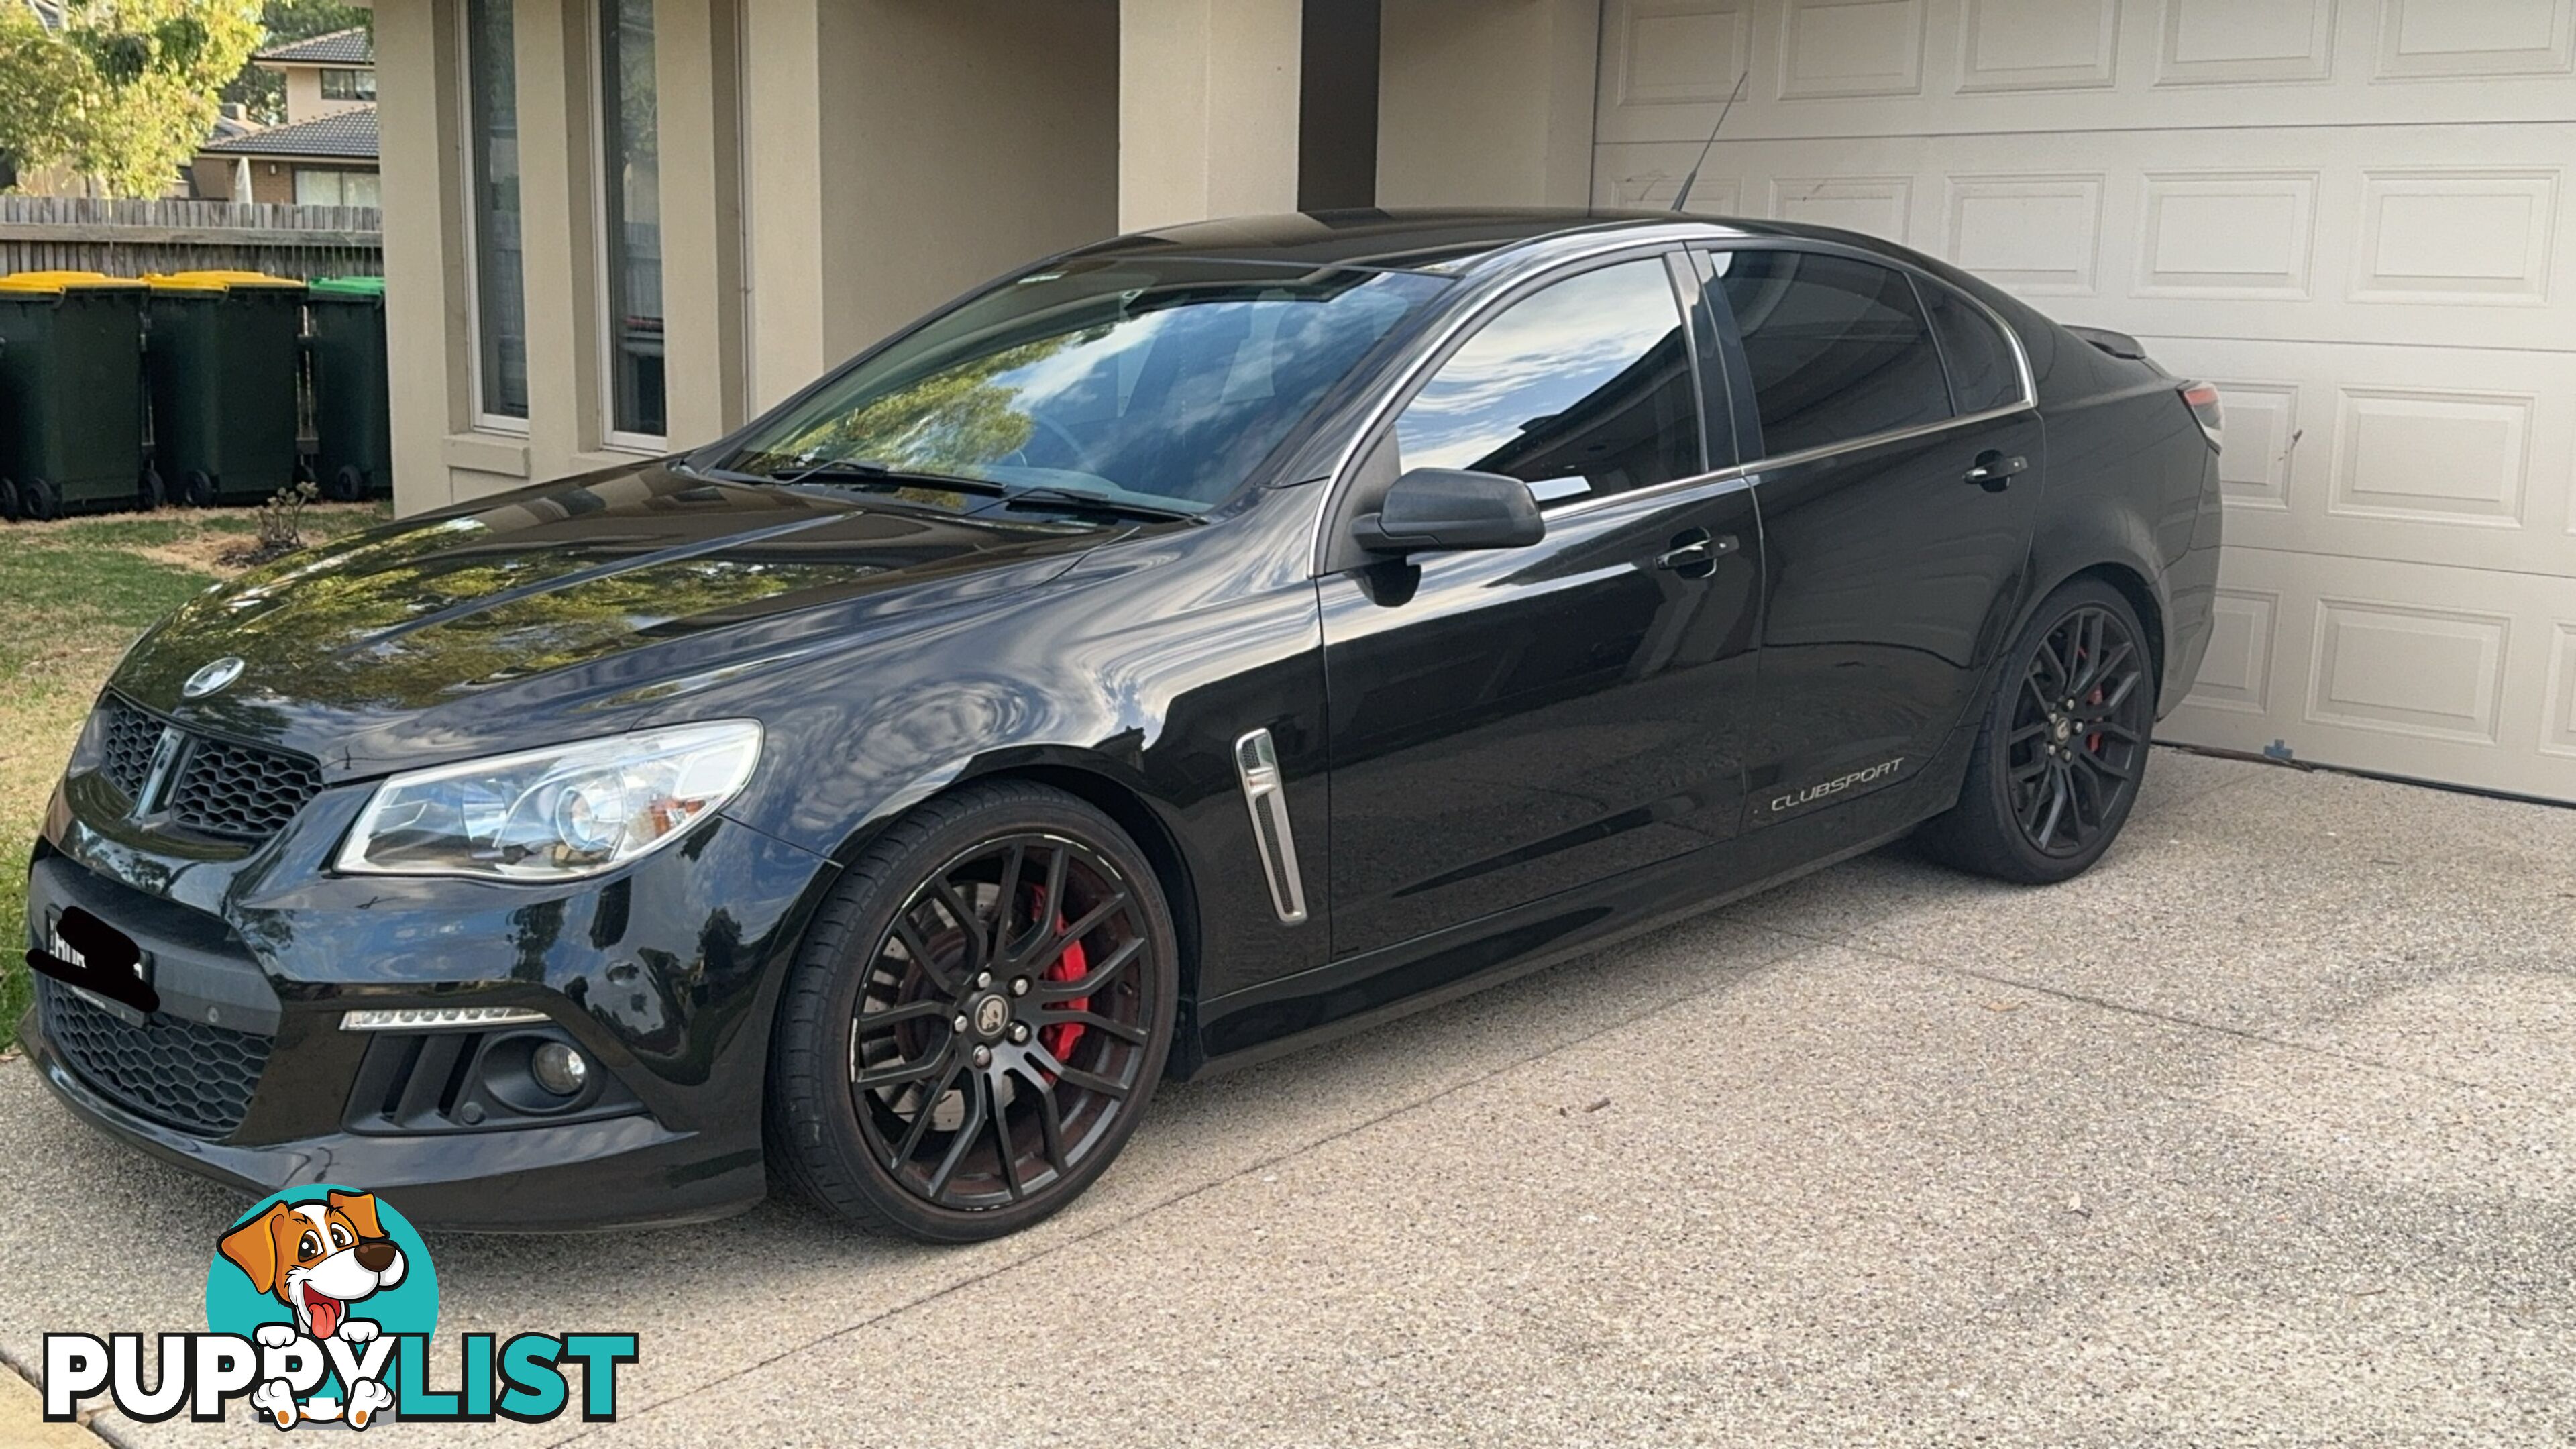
x: 1440, y: 509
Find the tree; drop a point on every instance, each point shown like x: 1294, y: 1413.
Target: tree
x: 262, y: 91
x: 125, y: 92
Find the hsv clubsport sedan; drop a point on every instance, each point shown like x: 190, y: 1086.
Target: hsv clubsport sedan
x: 1195, y: 645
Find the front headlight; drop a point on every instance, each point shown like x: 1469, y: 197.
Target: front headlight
x: 553, y: 814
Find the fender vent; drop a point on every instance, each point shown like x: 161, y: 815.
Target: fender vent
x: 1256, y: 761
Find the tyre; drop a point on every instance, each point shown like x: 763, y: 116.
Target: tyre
x: 348, y: 485
x: 149, y: 494
x: 10, y: 508
x: 197, y: 489
x: 39, y: 499
x: 977, y: 1017
x: 2063, y: 747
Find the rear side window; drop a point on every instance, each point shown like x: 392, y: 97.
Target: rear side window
x: 1983, y: 374
x: 1838, y: 349
x: 1581, y: 389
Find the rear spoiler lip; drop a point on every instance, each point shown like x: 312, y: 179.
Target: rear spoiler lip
x: 2118, y: 344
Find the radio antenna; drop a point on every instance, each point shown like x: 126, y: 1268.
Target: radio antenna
x: 1681, y: 198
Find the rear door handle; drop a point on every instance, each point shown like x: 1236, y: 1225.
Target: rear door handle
x: 1694, y: 554
x: 1994, y: 472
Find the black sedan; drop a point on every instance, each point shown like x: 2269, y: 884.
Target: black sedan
x: 1193, y: 646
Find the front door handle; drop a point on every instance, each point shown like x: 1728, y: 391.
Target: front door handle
x: 1994, y: 472
x: 1694, y: 554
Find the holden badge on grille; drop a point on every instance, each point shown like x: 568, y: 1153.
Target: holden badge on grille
x: 213, y: 676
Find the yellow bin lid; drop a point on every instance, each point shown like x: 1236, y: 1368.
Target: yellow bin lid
x: 56, y: 283
x: 215, y: 281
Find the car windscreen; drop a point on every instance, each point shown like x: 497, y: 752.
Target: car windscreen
x: 1158, y: 382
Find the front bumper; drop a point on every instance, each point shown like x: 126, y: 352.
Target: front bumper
x: 663, y: 975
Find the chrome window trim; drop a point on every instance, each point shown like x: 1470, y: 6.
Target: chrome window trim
x: 1512, y: 289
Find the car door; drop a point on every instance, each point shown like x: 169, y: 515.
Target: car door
x: 1897, y: 516
x: 1508, y: 724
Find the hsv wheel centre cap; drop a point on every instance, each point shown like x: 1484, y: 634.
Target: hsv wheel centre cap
x: 990, y: 1013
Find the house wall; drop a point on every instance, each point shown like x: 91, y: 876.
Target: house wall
x: 304, y: 99
x: 802, y: 218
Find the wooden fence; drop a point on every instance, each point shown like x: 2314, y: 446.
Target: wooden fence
x: 130, y: 238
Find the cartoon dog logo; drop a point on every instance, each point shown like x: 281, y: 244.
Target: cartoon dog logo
x: 318, y: 1259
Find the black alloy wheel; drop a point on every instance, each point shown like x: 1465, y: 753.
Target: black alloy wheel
x: 2079, y: 731
x: 964, y: 1052
x: 2063, y: 748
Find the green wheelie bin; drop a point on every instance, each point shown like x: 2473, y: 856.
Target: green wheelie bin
x: 71, y: 392
x: 223, y: 354
x: 352, y: 401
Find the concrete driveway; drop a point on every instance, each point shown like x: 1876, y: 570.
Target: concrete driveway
x: 2265, y: 1130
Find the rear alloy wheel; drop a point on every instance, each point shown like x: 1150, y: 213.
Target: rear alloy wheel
x: 2063, y: 749
x: 980, y: 1016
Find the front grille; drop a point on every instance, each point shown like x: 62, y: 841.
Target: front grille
x: 239, y: 792
x: 128, y: 741
x: 194, y: 1077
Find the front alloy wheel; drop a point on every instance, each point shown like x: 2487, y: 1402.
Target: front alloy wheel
x: 982, y: 1012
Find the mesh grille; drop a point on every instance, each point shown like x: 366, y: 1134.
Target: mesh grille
x: 239, y: 792
x: 127, y: 741
x: 194, y: 1077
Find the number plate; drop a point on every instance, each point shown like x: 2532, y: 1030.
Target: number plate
x: 64, y: 951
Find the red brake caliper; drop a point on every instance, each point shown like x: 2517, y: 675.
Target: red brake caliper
x: 1061, y: 1038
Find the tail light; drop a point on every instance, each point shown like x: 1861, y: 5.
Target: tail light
x: 2202, y: 398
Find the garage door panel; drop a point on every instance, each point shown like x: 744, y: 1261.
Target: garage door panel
x: 2405, y: 669
x: 2454, y: 456
x: 1899, y: 67
x: 2371, y: 236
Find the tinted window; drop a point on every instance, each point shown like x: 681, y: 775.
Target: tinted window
x: 1838, y: 348
x: 1581, y: 389
x: 1982, y: 371
x: 1159, y: 381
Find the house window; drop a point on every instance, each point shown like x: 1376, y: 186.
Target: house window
x: 492, y: 164
x: 631, y: 221
x: 348, y: 85
x: 315, y: 187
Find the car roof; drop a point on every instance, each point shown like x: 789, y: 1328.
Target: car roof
x: 1451, y: 241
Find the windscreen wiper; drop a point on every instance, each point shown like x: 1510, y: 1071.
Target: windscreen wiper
x: 868, y: 473
x: 1098, y: 502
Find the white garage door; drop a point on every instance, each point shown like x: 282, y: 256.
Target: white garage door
x: 2353, y: 215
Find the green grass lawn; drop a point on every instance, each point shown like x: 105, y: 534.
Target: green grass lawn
x: 73, y: 594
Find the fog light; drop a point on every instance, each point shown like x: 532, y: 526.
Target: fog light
x: 559, y: 1069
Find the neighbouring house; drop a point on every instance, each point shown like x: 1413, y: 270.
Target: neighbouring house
x: 616, y: 227
x: 324, y: 152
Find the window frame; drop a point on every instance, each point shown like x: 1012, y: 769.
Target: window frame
x: 1731, y: 344
x: 1372, y: 445
x: 481, y: 418
x: 604, y: 252
x: 361, y: 82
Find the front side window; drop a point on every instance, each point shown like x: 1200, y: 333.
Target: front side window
x: 631, y: 193
x: 492, y: 159
x: 1837, y: 347
x: 1581, y: 389
x: 1162, y: 382
x: 348, y: 85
